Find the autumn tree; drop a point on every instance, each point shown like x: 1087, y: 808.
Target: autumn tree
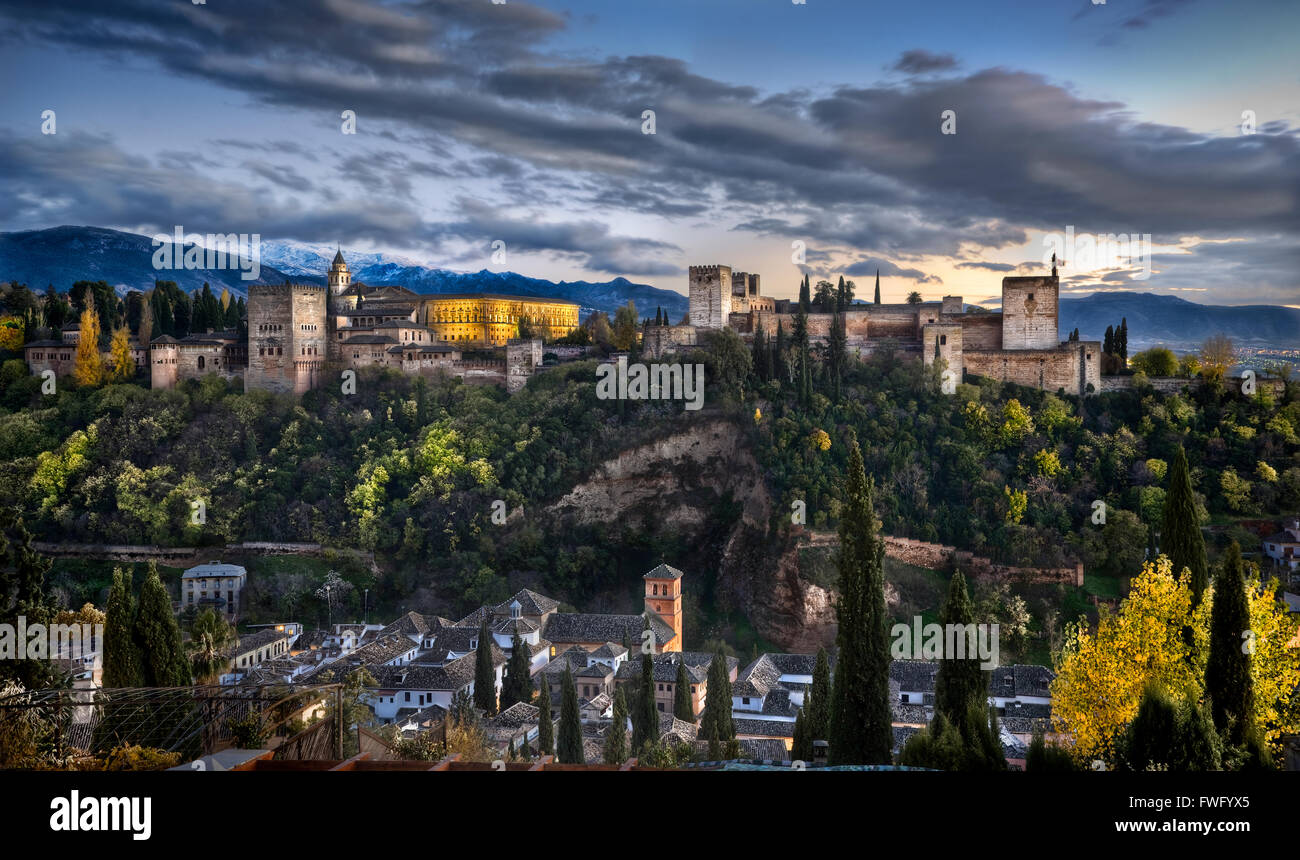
x: 88, y: 363
x: 119, y: 349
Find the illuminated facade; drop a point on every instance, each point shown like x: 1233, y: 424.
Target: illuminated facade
x: 488, y: 320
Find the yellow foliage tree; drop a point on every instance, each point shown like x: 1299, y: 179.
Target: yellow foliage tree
x: 11, y: 333
x: 1101, y: 674
x: 88, y: 366
x: 119, y: 353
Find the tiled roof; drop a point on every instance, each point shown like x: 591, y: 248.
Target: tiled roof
x: 664, y: 571
x: 590, y: 627
x: 530, y: 603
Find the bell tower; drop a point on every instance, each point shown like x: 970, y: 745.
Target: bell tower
x: 663, y: 597
x: 340, y: 277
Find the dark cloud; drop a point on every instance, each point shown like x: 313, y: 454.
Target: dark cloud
x: 920, y: 62
x: 475, y: 85
x: 887, y: 269
x: 992, y: 267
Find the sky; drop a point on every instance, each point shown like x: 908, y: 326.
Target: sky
x: 777, y: 126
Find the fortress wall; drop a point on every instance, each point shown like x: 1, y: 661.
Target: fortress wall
x: 270, y: 338
x: 1047, y: 369
x: 981, y: 331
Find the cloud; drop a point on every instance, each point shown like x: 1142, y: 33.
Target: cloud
x: 919, y: 62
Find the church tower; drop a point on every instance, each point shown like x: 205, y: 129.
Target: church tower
x: 663, y: 597
x: 340, y: 277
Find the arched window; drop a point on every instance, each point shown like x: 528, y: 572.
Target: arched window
x: 200, y: 362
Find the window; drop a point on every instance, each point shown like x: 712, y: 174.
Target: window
x: 745, y: 700
x: 661, y: 706
x: 1031, y: 297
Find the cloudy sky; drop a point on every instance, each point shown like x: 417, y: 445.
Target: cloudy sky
x: 775, y: 123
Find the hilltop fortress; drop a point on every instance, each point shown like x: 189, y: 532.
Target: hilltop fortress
x: 301, y: 336
x: 1020, y: 344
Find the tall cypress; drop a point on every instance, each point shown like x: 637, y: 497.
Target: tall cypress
x: 779, y: 366
x: 1121, y: 341
x: 683, y: 707
x: 817, y: 700
x: 616, y: 740
x: 805, y: 295
x: 760, y: 353
x: 545, y: 728
x: 877, y: 286
x: 1108, y: 343
x: 860, y: 730
x: 645, y: 723
x: 959, y: 683
x: 569, y: 750
x: 717, y: 701
x: 1228, y: 682
x: 801, y: 748
x: 518, y: 684
x: 122, y: 662
x: 1180, y: 536
x: 158, y: 636
x: 485, y: 681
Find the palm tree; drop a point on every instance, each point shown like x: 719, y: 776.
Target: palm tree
x: 211, y: 639
x: 914, y: 298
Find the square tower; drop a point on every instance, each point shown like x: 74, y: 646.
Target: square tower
x: 663, y: 597
x: 1029, y: 312
x: 710, y: 294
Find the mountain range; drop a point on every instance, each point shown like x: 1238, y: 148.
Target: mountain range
x: 62, y: 255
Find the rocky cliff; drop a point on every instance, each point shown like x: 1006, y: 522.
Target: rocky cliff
x: 679, y: 483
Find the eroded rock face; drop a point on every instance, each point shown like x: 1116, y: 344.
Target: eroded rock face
x: 676, y: 482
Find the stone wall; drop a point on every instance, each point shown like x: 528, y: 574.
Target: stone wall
x: 659, y: 340
x: 1070, y: 366
x: 933, y: 556
x: 522, y: 356
x: 1029, y: 313
x: 710, y: 296
x: 981, y: 331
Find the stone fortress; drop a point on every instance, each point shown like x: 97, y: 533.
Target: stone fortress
x: 301, y: 336
x: 1020, y: 344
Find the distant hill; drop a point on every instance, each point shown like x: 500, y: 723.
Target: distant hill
x: 63, y: 255
x: 1169, y: 320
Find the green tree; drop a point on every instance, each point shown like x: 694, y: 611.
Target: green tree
x: 158, y: 636
x: 960, y: 682
x: 210, y: 641
x: 1043, y: 757
x: 645, y: 722
x: 716, y: 718
x: 485, y: 683
x: 877, y: 286
x: 569, y: 750
x: 518, y: 683
x: 683, y: 707
x: 1180, y: 537
x: 860, y: 730
x: 817, y: 699
x: 1228, y: 682
x: 616, y: 741
x: 545, y: 728
x: 123, y: 665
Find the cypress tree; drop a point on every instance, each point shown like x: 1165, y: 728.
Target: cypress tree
x: 1121, y: 341
x: 1108, y: 343
x: 518, y: 684
x: 760, y: 352
x: 1181, y: 534
x: 860, y: 730
x: 158, y: 637
x: 645, y: 723
x: 877, y: 286
x: 123, y: 665
x: 485, y: 682
x: 716, y: 718
x: 801, y: 749
x: 805, y: 295
x: 570, y: 739
x: 1228, y: 682
x: 817, y: 701
x: 545, y: 729
x: 1149, y: 738
x: 616, y: 740
x: 781, y: 371
x: 838, y: 355
x: 683, y: 707
x: 959, y: 683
